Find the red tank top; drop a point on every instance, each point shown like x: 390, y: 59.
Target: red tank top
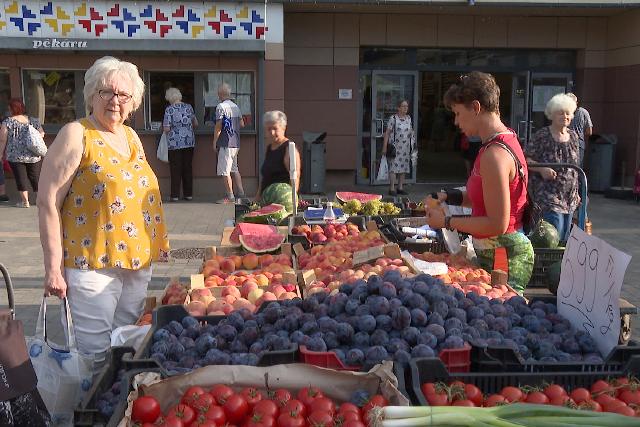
x: 517, y: 187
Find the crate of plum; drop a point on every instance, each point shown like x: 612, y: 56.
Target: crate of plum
x: 179, y: 343
x: 616, y: 391
x: 283, y: 395
x: 108, y: 395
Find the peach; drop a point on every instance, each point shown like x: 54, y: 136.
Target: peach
x: 287, y: 295
x: 254, y: 295
x: 200, y: 294
x: 209, y: 267
x: 262, y: 280
x: 230, y: 299
x: 278, y: 290
x: 231, y: 290
x: 228, y: 265
x: 197, y: 308
x: 237, y: 261
x: 248, y: 286
x: 265, y: 260
x: 250, y: 261
x: 217, y: 305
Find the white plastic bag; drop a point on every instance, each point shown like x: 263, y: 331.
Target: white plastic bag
x: 383, y: 171
x: 129, y: 335
x: 64, y: 375
x: 163, y: 149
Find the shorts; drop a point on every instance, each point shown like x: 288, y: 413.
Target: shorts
x: 227, y: 160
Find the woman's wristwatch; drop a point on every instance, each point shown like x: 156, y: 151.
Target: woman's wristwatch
x: 447, y: 223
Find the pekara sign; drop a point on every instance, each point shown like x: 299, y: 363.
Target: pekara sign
x: 55, y: 43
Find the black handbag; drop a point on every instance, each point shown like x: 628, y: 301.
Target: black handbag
x: 391, y: 148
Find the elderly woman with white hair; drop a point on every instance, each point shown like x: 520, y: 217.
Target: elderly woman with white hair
x: 556, y: 190
x: 100, y: 212
x: 179, y: 121
x: 275, y: 168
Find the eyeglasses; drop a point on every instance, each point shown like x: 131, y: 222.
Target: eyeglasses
x: 108, y: 95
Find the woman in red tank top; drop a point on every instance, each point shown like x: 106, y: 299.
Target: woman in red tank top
x: 497, y: 187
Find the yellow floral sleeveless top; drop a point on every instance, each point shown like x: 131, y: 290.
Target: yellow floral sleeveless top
x: 112, y: 215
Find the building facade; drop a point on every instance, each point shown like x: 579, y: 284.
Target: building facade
x: 339, y: 67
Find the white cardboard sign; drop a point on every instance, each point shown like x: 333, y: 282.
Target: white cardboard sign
x: 589, y: 290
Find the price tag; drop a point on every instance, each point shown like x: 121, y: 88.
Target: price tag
x: 196, y: 282
x: 590, y: 282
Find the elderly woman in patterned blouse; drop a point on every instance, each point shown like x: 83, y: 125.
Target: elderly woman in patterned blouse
x: 556, y: 190
x: 100, y: 213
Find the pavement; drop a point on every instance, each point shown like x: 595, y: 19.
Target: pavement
x: 200, y: 223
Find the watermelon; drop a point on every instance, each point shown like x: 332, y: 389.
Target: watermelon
x: 262, y: 243
x: 273, y: 212
x: 544, y: 235
x: 245, y: 229
x: 552, y: 276
x: 345, y: 196
x: 279, y: 193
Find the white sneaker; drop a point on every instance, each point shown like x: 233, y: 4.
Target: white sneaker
x: 23, y: 205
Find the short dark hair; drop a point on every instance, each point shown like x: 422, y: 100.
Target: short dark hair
x: 475, y: 86
x: 16, y: 107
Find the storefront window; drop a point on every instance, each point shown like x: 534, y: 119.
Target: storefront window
x: 50, y: 95
x: 5, y: 94
x: 159, y: 82
x: 241, y: 92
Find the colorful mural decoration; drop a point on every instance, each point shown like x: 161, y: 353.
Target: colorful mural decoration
x: 133, y: 20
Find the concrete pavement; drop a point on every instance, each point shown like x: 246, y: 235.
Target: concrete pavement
x: 200, y: 223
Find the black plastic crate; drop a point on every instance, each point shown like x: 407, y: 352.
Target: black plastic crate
x: 544, y: 258
x: 315, y: 201
x: 119, y: 362
x: 425, y: 370
x: 163, y: 315
x: 505, y: 359
x: 241, y: 209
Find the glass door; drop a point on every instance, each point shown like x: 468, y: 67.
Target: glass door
x: 388, y: 89
x: 520, y: 106
x: 543, y: 87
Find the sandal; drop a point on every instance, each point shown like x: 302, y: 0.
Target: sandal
x: 23, y: 205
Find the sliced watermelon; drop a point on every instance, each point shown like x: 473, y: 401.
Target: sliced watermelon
x: 245, y: 229
x: 345, y: 196
x: 262, y: 215
x: 262, y: 243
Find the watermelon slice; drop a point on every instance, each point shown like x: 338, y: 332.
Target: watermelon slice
x: 262, y: 243
x: 345, y: 196
x: 246, y: 229
x: 262, y: 215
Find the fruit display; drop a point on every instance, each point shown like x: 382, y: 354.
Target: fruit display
x: 279, y: 193
x: 545, y: 236
x: 221, y: 405
x: 247, y: 228
x: 320, y: 234
x: 346, y: 196
x: 372, y: 207
x: 262, y: 243
x: 467, y: 277
x: 270, y: 213
x: 619, y: 395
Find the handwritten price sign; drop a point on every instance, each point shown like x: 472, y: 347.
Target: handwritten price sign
x: 590, y: 282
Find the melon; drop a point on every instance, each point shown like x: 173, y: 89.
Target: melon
x: 552, y: 277
x: 263, y: 243
x: 279, y: 193
x: 245, y: 229
x: 544, y: 235
x: 273, y: 212
x: 345, y: 196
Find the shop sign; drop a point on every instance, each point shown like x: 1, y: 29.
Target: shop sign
x: 54, y: 43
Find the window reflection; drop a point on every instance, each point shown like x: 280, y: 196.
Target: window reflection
x: 50, y: 95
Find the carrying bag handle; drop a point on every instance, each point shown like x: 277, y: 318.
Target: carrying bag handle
x: 9, y: 286
x: 41, y: 326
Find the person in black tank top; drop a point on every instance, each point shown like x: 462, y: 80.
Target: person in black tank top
x: 275, y: 167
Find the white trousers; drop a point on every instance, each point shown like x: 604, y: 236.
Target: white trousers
x: 102, y: 300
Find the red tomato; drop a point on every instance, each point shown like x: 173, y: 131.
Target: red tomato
x: 307, y: 394
x: 438, y: 399
x: 354, y: 423
x: 624, y: 410
x: 320, y: 419
x: 495, y: 400
x: 580, y: 394
x: 537, y: 397
x: 463, y: 402
x: 281, y: 397
x: 296, y: 407
x: 376, y: 400
x: 252, y: 395
x: 260, y: 421
x: 221, y: 393
x: 203, y: 402
x: 590, y: 405
x: 182, y: 412
x: 601, y: 387
x: 621, y: 384
x: 603, y: 399
x: 474, y: 394
x: 191, y: 395
x: 266, y: 407
x: 612, y: 405
x: 236, y: 408
x: 428, y: 388
x: 512, y: 394
x: 146, y: 409
x: 348, y: 416
x: 201, y: 421
x: 630, y: 397
x: 169, y: 422
x: 216, y: 414
x: 554, y: 391
x: 562, y: 401
x: 323, y: 404
x: 348, y: 407
x: 288, y: 419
